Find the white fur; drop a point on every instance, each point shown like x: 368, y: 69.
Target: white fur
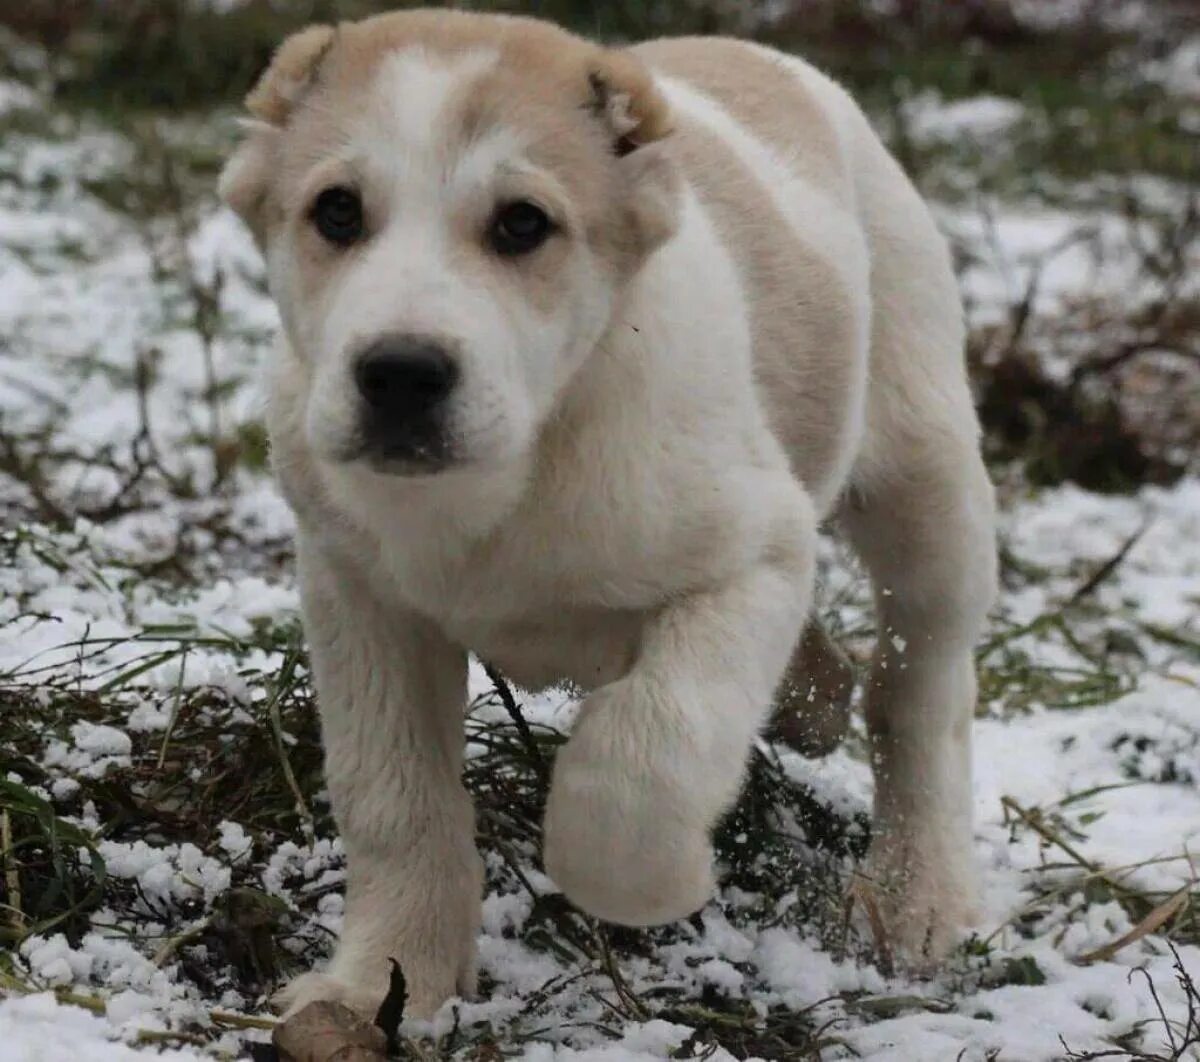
x: 412, y: 89
x: 628, y: 521
x: 407, y: 281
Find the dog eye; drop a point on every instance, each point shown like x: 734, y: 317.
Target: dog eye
x: 519, y: 228
x: 338, y: 215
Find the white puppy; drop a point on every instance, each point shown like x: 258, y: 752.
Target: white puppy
x: 580, y: 345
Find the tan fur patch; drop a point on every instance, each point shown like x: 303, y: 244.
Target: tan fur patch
x: 763, y: 96
x: 544, y: 79
x: 801, y: 312
x: 290, y: 73
x: 564, y: 66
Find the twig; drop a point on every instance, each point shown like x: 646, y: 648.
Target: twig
x: 860, y: 892
x: 1035, y: 823
x: 241, y: 1021
x: 286, y: 675
x: 12, y: 876
x: 166, y: 1036
x: 624, y: 992
x: 1108, y: 567
x: 175, y: 707
x: 98, y: 1005
x: 173, y: 944
x: 504, y: 691
x: 1031, y: 819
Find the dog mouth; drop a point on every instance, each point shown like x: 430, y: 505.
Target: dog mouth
x: 397, y: 454
x: 409, y: 464
x: 414, y: 447
x: 409, y: 458
x: 420, y: 447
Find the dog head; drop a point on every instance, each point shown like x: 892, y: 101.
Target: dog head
x: 449, y: 206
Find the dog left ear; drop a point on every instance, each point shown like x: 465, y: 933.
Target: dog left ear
x: 638, y: 119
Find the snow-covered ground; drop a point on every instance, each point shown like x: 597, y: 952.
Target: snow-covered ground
x: 171, y: 608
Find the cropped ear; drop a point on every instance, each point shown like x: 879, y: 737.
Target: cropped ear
x: 244, y: 180
x: 626, y: 99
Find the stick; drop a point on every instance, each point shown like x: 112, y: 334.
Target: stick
x: 12, y: 877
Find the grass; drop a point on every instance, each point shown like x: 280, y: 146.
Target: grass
x: 1088, y: 111
x: 216, y: 761
x: 255, y: 760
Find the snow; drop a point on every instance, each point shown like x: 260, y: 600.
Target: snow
x: 81, y: 295
x: 16, y: 96
x: 1179, y: 72
x: 93, y: 750
x: 978, y: 117
x: 36, y: 1029
x: 1071, y: 253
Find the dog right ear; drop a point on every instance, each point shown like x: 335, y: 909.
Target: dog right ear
x: 243, y: 181
x: 291, y: 73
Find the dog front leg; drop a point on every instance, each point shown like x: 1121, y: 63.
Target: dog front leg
x: 391, y: 691
x: 657, y: 756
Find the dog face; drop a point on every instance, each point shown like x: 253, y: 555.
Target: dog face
x: 450, y: 206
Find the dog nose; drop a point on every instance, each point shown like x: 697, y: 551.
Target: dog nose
x: 404, y: 377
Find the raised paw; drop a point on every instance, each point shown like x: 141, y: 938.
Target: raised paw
x: 622, y: 839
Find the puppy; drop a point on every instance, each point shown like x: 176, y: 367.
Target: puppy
x: 579, y: 347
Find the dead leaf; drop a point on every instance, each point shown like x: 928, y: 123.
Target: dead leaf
x: 328, y: 1032
x: 391, y: 1010
x: 862, y: 891
x: 1162, y: 914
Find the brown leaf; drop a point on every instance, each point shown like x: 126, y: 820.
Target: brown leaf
x: 328, y: 1032
x: 1157, y: 918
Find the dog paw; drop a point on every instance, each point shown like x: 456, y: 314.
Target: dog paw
x: 915, y: 904
x: 422, y: 1002
x: 613, y: 864
x: 621, y: 840
x: 315, y: 987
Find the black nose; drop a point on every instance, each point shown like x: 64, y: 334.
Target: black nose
x: 403, y: 378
